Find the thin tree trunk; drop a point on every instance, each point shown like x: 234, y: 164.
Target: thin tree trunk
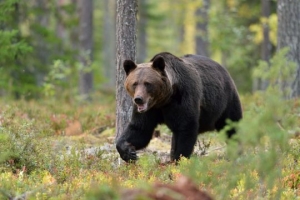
x: 126, y: 49
x: 85, y: 47
x: 74, y: 35
x: 266, y: 45
x: 60, y: 29
x: 142, y: 36
x: 202, y: 43
x: 15, y: 74
x: 109, y: 44
x: 288, y: 12
x: 43, y: 21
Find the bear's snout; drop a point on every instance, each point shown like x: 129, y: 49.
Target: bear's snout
x: 141, y: 103
x: 138, y: 100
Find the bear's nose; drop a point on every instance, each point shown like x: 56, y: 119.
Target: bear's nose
x: 138, y: 100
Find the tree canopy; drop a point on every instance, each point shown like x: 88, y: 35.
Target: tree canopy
x: 36, y: 33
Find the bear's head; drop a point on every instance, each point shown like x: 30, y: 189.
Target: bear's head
x: 147, y: 83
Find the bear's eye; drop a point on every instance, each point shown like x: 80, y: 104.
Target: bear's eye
x: 134, y: 84
x: 148, y: 85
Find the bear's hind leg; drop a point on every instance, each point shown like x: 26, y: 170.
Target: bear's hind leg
x: 184, y: 127
x: 184, y: 139
x: 234, y: 116
x: 184, y: 145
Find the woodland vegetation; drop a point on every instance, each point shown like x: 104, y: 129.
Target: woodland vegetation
x: 60, y: 80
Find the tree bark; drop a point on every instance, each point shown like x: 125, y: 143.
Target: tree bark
x: 288, y: 12
x: 202, y: 43
x: 126, y: 49
x: 74, y: 31
x: 109, y: 45
x: 43, y: 21
x: 85, y: 47
x: 266, y: 45
x: 60, y: 28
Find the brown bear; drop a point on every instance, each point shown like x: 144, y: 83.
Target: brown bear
x: 191, y: 95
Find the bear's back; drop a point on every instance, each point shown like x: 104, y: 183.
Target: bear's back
x: 211, y: 73
x: 217, y: 85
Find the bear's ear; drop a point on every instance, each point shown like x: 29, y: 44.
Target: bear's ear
x: 129, y: 66
x: 159, y: 64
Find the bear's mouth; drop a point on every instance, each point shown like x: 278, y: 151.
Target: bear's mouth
x: 142, y: 107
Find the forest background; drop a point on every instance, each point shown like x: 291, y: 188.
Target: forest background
x: 43, y: 40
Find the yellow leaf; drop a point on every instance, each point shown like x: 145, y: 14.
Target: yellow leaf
x: 48, y: 178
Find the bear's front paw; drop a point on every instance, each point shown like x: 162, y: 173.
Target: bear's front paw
x: 127, y: 151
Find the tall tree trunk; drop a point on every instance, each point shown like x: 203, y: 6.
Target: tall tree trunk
x: 202, y: 43
x: 109, y: 44
x: 74, y: 31
x: 60, y: 28
x: 14, y: 73
x: 85, y: 47
x: 266, y: 45
x: 42, y: 50
x: 126, y: 49
x: 42, y: 21
x: 142, y: 36
x: 288, y: 12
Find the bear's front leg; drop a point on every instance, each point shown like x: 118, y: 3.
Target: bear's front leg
x: 126, y: 150
x: 133, y: 138
x: 172, y: 152
x: 137, y: 134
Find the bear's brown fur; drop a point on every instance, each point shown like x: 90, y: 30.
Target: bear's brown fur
x: 147, y: 84
x: 191, y: 95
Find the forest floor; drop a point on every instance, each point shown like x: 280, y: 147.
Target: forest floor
x: 159, y: 146
x: 66, y: 150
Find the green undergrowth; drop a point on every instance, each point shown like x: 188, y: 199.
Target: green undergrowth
x: 38, y: 160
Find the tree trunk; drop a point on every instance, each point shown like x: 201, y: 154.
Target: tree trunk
x: 85, y: 47
x: 126, y: 49
x: 60, y: 28
x: 109, y: 44
x: 288, y: 12
x: 202, y: 43
x: 74, y: 31
x: 43, y: 21
x: 266, y: 45
x: 142, y: 36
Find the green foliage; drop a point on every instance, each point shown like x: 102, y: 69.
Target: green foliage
x: 13, y: 49
x: 257, y: 28
x: 279, y: 74
x: 30, y: 42
x: 159, y: 16
x: 21, y: 151
x: 7, y: 7
x: 34, y: 35
x: 103, y: 191
x: 231, y: 40
x: 57, y: 79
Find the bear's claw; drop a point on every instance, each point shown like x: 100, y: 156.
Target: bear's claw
x: 127, y: 152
